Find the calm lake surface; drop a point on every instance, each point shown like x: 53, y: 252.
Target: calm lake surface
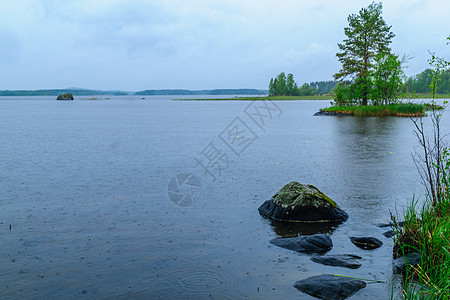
x: 85, y: 187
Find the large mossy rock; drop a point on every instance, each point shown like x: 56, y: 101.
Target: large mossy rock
x: 296, y: 202
x: 66, y: 96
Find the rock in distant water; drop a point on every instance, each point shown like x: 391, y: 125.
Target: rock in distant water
x: 366, y: 243
x: 330, y: 287
x: 296, y: 202
x: 316, y: 243
x: 331, y: 113
x: 339, y: 260
x: 66, y: 96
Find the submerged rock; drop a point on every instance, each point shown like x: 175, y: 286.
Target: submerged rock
x: 316, y: 243
x: 340, y: 260
x: 330, y: 287
x: 66, y: 96
x: 367, y: 243
x: 296, y: 202
x: 411, y: 259
x: 382, y: 225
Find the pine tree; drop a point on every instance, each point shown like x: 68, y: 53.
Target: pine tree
x: 367, y: 36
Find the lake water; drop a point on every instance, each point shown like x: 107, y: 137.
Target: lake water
x: 89, y: 190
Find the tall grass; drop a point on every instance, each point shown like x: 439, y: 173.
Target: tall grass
x: 426, y: 231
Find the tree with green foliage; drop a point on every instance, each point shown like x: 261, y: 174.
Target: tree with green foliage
x: 388, y: 78
x: 368, y: 35
x: 272, y: 87
x: 292, y: 88
x: 282, y: 85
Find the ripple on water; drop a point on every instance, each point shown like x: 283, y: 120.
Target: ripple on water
x: 197, y: 282
x: 201, y: 280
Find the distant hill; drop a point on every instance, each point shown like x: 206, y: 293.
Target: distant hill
x: 85, y: 92
x: 56, y: 92
x: 202, y: 92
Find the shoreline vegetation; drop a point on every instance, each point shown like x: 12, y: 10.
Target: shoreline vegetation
x: 423, y: 239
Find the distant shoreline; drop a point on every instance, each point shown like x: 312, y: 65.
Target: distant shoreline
x: 263, y: 98
x: 299, y: 98
x: 56, y: 92
x: 162, y: 92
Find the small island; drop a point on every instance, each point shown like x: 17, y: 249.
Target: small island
x: 390, y: 110
x: 371, y: 79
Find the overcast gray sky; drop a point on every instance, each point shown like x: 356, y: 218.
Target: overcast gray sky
x: 196, y: 44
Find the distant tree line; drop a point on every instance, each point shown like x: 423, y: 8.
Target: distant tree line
x: 323, y: 87
x: 421, y: 82
x: 202, y: 92
x: 283, y: 85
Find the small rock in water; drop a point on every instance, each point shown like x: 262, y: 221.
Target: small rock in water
x: 330, y: 287
x: 340, y: 260
x: 316, y: 243
x: 367, y: 243
x: 389, y: 233
x: 412, y: 259
x: 383, y: 225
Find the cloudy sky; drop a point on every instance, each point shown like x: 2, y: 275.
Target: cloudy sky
x: 195, y: 44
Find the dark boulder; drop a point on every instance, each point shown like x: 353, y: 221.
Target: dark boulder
x: 411, y: 259
x: 367, y: 243
x: 340, y: 260
x: 330, y: 287
x: 66, y: 96
x: 389, y: 233
x: 316, y: 243
x: 296, y: 202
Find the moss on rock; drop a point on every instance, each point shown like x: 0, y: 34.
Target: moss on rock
x: 296, y: 194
